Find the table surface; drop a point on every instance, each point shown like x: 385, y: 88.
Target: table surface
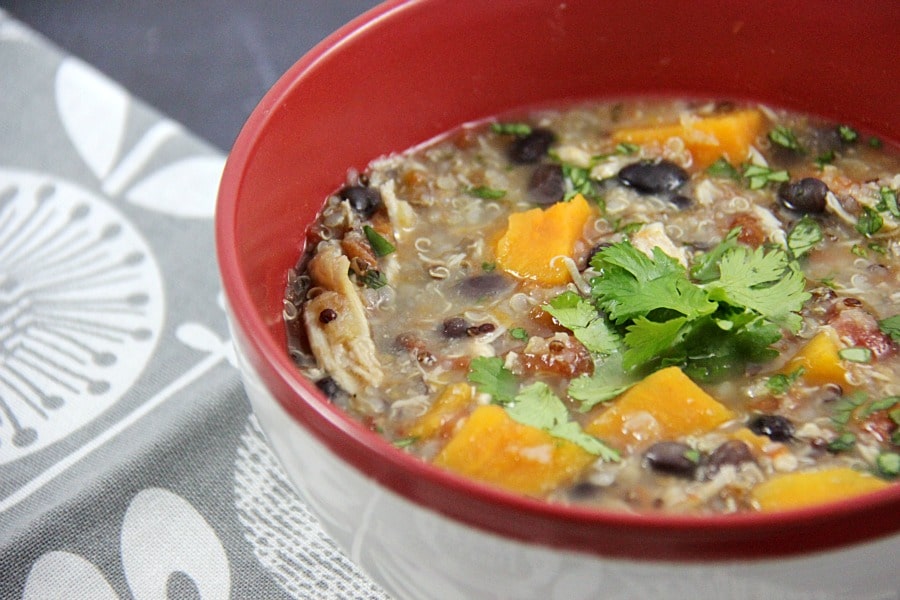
x: 131, y: 465
x: 204, y: 63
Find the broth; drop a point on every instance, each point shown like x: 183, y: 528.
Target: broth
x: 672, y: 306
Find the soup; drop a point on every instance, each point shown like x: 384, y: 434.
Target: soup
x: 671, y: 306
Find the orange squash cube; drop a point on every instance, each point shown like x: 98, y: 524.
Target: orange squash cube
x: 450, y: 404
x: 820, y: 360
x: 664, y: 405
x: 533, y: 240
x: 493, y: 448
x: 796, y: 490
x: 708, y: 139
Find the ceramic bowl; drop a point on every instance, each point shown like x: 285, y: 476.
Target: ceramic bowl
x: 410, y: 70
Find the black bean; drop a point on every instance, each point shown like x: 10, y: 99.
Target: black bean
x: 584, y: 490
x: 596, y: 250
x: 673, y: 458
x: 364, y: 200
x: 454, y: 327
x: 329, y: 387
x: 489, y: 284
x: 547, y: 184
x: 776, y: 427
x: 482, y: 329
x: 653, y: 177
x: 732, y: 452
x: 806, y: 196
x: 327, y: 316
x: 681, y: 201
x: 529, y: 149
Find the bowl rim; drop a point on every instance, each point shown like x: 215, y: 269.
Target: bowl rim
x: 668, y: 537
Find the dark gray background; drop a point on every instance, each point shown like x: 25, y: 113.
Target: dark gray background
x: 204, y: 63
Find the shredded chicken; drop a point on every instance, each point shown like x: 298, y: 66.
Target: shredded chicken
x: 403, y: 217
x: 653, y: 236
x: 340, y: 340
x: 770, y: 225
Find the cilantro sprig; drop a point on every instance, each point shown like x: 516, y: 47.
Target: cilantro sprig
x: 724, y: 313
x: 534, y: 405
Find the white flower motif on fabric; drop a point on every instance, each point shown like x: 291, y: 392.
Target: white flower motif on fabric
x: 94, y: 112
x: 286, y: 537
x: 81, y: 309
x: 165, y: 544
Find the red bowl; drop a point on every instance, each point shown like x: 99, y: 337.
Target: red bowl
x: 410, y: 70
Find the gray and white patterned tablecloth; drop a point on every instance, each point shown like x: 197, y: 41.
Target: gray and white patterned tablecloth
x: 130, y: 464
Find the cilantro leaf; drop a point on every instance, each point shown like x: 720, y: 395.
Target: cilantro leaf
x: 485, y: 193
x: 869, y: 221
x: 826, y: 158
x: 888, y: 464
x: 785, y: 137
x: 537, y: 406
x: 888, y: 197
x: 758, y: 176
x: 374, y: 279
x: 763, y: 282
x: 723, y: 168
x: 608, y: 381
x: 598, y: 337
x: 803, y: 236
x: 519, y: 333
x: 571, y: 310
x: 842, y: 443
x: 591, y: 392
x: 706, y: 268
x: 712, y: 352
x: 491, y: 377
x: 780, y: 383
x: 578, y: 181
x: 516, y: 129
x: 856, y: 354
x: 380, y: 246
x: 847, y: 133
x: 891, y: 327
x: 632, y: 284
x: 646, y: 339
x: 578, y: 315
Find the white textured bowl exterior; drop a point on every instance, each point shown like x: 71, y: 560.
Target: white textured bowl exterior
x: 418, y: 554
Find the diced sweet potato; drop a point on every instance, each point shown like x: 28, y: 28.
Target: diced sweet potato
x: 664, y: 405
x: 820, y: 360
x: 708, y: 139
x: 493, y: 448
x: 796, y: 490
x: 534, y: 238
x: 446, y: 408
